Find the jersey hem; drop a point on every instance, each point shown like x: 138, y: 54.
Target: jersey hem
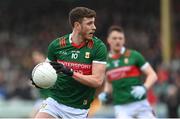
x: 130, y: 101
x: 70, y: 105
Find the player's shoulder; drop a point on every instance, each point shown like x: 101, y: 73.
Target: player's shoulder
x: 62, y: 40
x: 64, y: 37
x: 134, y: 52
x: 97, y: 41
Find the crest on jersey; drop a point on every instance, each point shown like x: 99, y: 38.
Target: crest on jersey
x: 116, y: 63
x: 87, y: 55
x: 126, y: 60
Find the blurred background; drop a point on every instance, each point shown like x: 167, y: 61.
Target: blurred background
x: 28, y: 26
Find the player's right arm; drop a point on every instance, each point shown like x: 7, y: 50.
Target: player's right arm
x: 151, y: 77
x: 147, y: 69
x: 96, y: 79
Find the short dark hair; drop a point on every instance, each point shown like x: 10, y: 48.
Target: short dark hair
x: 78, y: 13
x: 115, y: 28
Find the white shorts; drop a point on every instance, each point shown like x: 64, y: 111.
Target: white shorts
x: 37, y: 104
x: 58, y: 110
x: 140, y: 110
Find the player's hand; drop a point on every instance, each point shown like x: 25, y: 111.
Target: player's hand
x: 103, y: 97
x: 32, y: 82
x: 60, y: 68
x: 138, y: 91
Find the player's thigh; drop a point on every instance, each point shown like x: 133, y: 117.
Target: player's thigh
x: 145, y: 110
x: 148, y: 114
x: 48, y: 109
x: 43, y: 115
x: 121, y: 112
x: 36, y: 108
x: 123, y: 115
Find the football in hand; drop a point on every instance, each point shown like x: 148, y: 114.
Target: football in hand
x: 44, y: 75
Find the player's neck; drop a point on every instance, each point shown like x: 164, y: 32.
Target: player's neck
x: 115, y: 52
x: 76, y: 38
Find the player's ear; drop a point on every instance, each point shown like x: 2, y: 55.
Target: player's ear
x: 77, y: 25
x: 108, y: 40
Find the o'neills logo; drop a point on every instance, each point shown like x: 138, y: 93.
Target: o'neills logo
x: 82, y: 68
x: 123, y: 72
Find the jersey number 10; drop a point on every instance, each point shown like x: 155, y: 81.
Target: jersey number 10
x: 74, y: 56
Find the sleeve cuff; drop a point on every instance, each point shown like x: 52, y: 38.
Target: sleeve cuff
x: 47, y: 60
x: 143, y: 67
x: 100, y: 62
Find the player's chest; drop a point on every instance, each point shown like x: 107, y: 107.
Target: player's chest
x: 83, y: 55
x: 123, y: 61
x: 122, y: 68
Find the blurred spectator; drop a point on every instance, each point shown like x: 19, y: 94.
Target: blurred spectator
x: 175, y: 63
x: 3, y: 92
x: 173, y: 96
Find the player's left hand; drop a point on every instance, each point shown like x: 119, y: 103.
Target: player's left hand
x: 138, y: 91
x: 60, y: 68
x: 103, y: 97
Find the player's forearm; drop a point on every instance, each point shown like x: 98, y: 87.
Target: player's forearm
x: 89, y: 80
x: 108, y: 87
x: 150, y: 80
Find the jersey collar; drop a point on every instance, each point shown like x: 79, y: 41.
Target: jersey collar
x: 70, y: 36
x: 74, y: 44
x: 116, y: 56
x: 122, y: 51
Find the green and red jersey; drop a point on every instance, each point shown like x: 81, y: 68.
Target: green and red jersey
x: 43, y: 93
x: 80, y: 58
x: 124, y: 71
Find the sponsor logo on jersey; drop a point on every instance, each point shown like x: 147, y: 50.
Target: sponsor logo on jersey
x: 87, y: 55
x: 62, y: 53
x: 123, y: 72
x: 82, y: 68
